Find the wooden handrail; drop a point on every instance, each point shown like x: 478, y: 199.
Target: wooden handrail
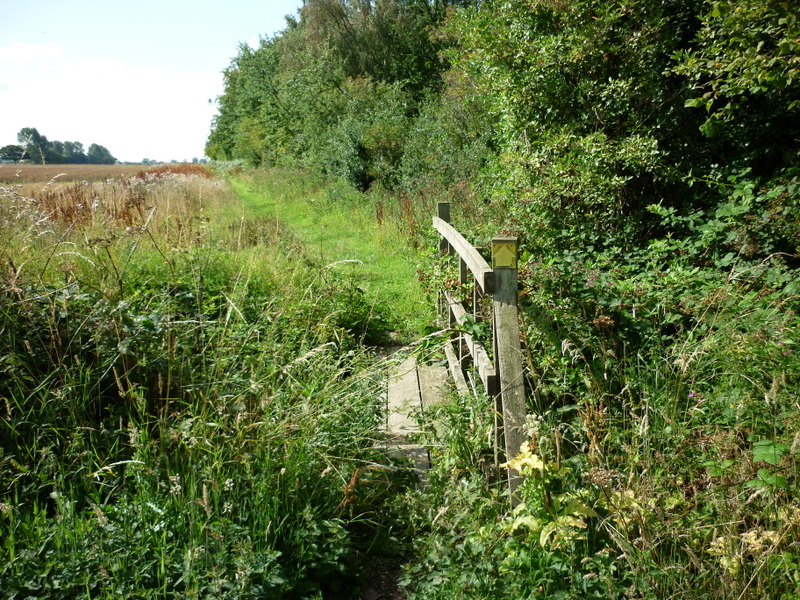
x: 480, y: 268
x: 503, y: 378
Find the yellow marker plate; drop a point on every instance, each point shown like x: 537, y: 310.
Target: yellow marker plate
x: 504, y: 255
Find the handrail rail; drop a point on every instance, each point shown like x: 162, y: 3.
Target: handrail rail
x: 480, y: 357
x: 480, y: 268
x: 502, y: 378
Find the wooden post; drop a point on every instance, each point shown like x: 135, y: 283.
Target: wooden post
x: 443, y: 212
x: 508, y: 357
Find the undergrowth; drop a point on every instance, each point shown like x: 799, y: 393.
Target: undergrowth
x: 187, y: 408
x: 662, y: 456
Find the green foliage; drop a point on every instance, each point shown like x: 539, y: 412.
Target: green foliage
x: 334, y: 91
x: 183, y: 414
x: 551, y: 545
x: 385, y: 40
x: 99, y: 155
x: 449, y: 142
x: 38, y: 149
x: 746, y: 65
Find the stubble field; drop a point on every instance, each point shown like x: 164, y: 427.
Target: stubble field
x: 26, y: 173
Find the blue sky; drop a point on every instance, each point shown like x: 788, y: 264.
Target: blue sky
x: 133, y: 76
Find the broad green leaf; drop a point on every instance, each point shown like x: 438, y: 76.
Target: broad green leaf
x: 769, y: 451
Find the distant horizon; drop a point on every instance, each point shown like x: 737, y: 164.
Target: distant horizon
x: 28, y: 162
x: 112, y: 75
x: 15, y: 142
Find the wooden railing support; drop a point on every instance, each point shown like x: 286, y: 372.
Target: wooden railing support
x: 503, y: 378
x: 443, y: 212
x: 508, y: 358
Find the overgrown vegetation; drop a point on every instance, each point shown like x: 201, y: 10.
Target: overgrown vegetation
x: 183, y: 418
x: 646, y: 155
x: 187, y: 408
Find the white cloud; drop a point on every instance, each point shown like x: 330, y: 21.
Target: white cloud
x: 19, y: 52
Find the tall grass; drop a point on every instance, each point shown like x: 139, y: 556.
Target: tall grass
x: 367, y: 238
x: 185, y: 409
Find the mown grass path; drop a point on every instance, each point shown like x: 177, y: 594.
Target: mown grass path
x: 337, y: 229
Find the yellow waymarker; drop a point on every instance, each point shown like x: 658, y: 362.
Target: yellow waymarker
x: 504, y: 253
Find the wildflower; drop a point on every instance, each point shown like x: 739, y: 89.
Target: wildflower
x: 725, y: 549
x: 525, y: 460
x: 133, y: 436
x: 758, y: 542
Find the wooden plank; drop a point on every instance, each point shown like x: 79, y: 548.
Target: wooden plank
x: 433, y: 384
x: 455, y: 368
x: 480, y: 358
x: 480, y: 268
x: 403, y: 399
x: 486, y: 370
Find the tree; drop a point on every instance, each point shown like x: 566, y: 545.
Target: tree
x: 55, y: 153
x: 74, y: 153
x: 38, y: 148
x: 310, y: 92
x: 99, y: 155
x: 12, y: 152
x: 36, y: 145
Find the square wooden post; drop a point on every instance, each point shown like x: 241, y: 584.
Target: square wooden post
x: 508, y: 356
x: 443, y: 212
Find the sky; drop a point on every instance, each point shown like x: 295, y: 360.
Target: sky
x: 135, y: 76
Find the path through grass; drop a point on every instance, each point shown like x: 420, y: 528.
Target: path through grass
x: 338, y: 229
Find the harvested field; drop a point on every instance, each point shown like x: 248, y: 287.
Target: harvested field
x: 34, y: 181
x: 25, y: 173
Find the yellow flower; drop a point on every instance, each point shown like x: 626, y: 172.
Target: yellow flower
x: 525, y: 460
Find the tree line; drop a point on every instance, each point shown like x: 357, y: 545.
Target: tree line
x: 35, y: 147
x: 575, y: 118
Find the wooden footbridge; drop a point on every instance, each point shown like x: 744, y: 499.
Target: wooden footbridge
x: 414, y: 388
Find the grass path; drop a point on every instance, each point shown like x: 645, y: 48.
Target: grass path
x: 337, y: 229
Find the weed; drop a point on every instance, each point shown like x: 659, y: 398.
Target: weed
x: 182, y: 415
